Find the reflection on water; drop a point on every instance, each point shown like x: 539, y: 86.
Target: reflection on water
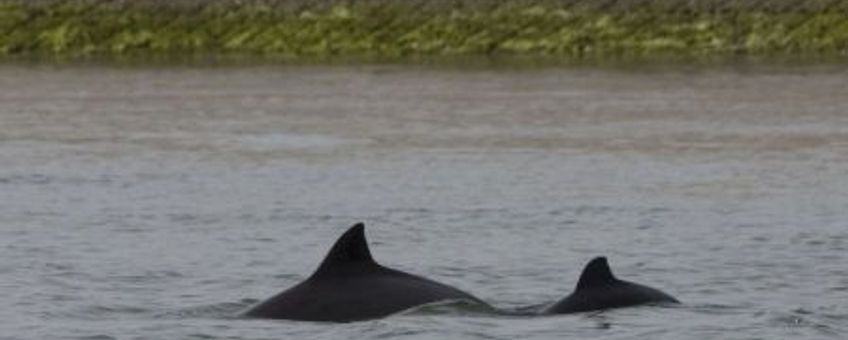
x: 157, y: 202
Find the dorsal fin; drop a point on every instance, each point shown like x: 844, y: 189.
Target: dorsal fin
x: 596, y: 273
x: 350, y: 249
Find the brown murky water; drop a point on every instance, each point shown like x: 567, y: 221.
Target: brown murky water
x: 153, y: 203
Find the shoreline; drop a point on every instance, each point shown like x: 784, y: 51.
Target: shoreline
x: 304, y: 31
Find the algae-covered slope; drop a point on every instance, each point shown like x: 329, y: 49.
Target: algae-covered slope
x: 393, y: 28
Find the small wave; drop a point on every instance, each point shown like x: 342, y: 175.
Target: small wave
x: 717, y: 309
x: 804, y: 319
x: 224, y: 310
x: 452, y: 307
x: 98, y: 337
x: 99, y: 312
x: 28, y: 179
x: 532, y: 310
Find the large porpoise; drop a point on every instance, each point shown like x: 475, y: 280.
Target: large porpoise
x: 349, y: 286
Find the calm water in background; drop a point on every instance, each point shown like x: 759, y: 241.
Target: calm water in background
x: 156, y: 203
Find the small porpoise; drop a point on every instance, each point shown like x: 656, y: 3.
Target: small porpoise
x: 350, y: 286
x: 598, y: 289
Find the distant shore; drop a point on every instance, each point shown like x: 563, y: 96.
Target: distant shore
x: 566, y: 29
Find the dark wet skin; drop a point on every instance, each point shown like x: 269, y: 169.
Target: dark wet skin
x: 350, y: 286
x: 599, y: 289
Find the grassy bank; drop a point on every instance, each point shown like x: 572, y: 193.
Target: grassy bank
x: 396, y: 28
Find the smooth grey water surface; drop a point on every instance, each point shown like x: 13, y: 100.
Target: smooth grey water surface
x: 157, y: 203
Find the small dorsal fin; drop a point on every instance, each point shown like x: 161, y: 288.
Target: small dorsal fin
x: 596, y: 273
x: 350, y: 249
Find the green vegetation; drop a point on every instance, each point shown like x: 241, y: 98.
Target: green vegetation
x: 396, y: 28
